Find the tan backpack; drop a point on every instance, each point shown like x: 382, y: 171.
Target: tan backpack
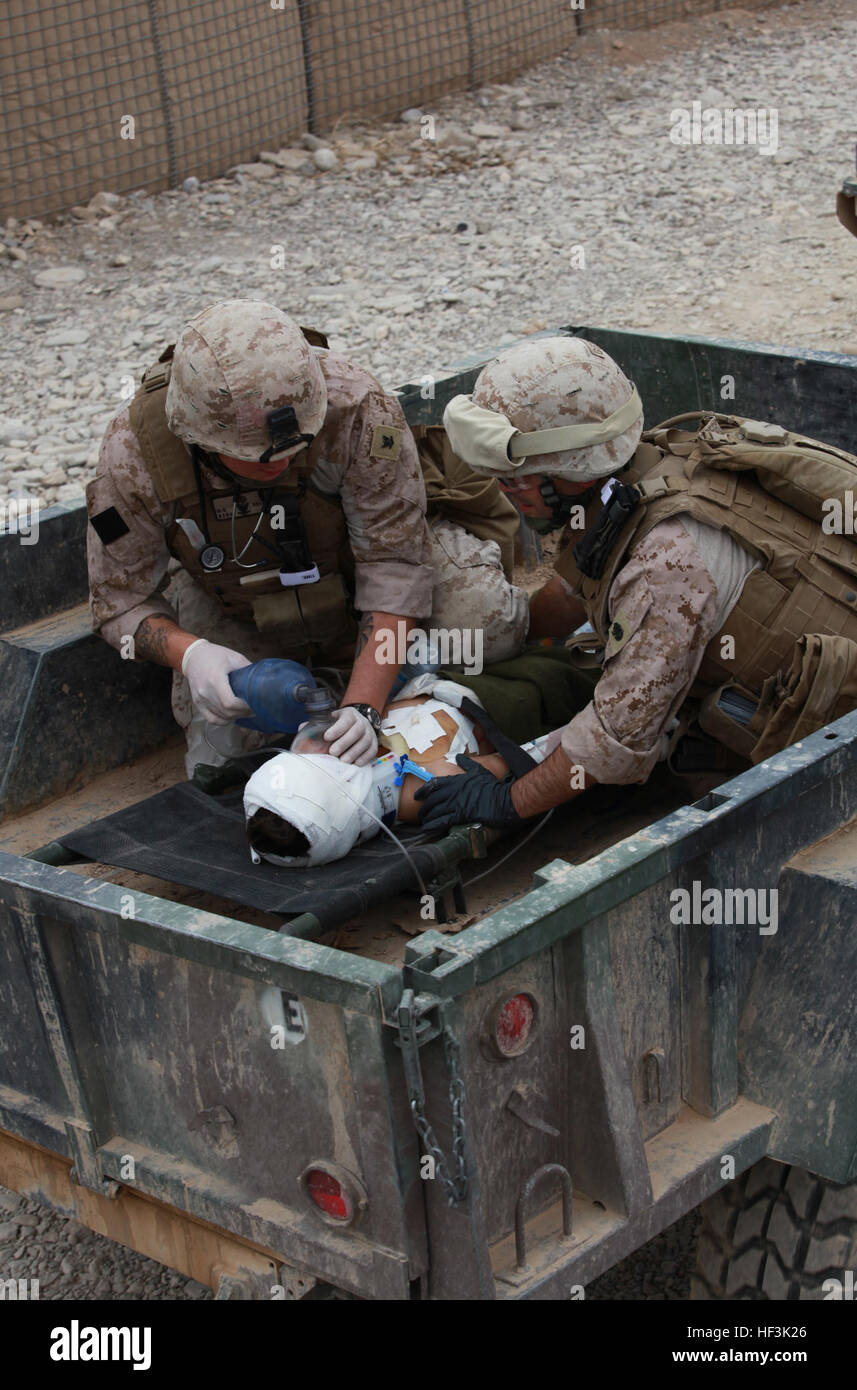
x: 819, y: 481
x: 802, y: 472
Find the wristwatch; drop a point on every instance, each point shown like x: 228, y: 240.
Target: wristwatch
x: 368, y: 711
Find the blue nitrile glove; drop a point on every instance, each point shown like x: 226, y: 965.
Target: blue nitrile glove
x: 477, y: 796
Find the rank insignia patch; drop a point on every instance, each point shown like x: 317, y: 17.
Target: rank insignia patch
x: 386, y: 442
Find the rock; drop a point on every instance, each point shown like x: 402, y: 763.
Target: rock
x: 66, y: 337
x: 58, y: 276
x: 454, y: 137
x: 84, y: 214
x: 325, y: 159
x: 313, y: 142
x: 104, y: 202
x: 294, y: 161
x: 216, y: 198
x: 209, y: 264
x: 712, y: 97
x: 347, y: 149
x: 366, y: 161
x: 16, y: 253
x: 412, y: 116
x: 11, y: 428
x: 119, y: 260
x: 10, y: 301
x: 483, y: 130
x: 9, y: 1230
x: 191, y: 184
x: 283, y: 159
x: 254, y: 171
x: 24, y: 1218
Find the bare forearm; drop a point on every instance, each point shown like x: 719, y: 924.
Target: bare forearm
x: 373, y: 673
x: 161, y: 640
x: 553, y: 611
x: 550, y: 784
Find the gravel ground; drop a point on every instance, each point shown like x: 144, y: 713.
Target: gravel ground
x: 444, y: 245
x: 557, y: 199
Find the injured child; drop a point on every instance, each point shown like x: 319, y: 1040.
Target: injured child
x: 304, y: 807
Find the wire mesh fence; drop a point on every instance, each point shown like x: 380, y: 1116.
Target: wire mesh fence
x: 128, y: 94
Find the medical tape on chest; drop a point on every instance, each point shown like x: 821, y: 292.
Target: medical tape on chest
x: 419, y: 727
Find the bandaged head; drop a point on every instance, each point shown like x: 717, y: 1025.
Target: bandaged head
x: 309, y: 808
x: 550, y: 405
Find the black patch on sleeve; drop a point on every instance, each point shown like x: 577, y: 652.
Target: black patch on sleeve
x: 109, y: 526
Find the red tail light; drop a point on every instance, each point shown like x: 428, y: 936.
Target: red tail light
x: 336, y: 1195
x: 514, y: 1023
x: 328, y: 1194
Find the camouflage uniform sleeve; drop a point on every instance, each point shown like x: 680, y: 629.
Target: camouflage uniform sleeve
x: 126, y: 548
x: 384, y: 499
x: 663, y: 614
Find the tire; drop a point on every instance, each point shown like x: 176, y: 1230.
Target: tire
x: 777, y: 1233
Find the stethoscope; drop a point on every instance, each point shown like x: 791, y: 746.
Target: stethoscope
x: 213, y: 557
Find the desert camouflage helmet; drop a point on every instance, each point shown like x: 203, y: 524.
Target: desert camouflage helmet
x: 234, y: 365
x: 559, y: 384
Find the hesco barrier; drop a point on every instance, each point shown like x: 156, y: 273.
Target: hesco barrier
x: 127, y: 94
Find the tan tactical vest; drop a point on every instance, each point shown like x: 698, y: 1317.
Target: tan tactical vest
x: 808, y: 583
x: 314, y: 620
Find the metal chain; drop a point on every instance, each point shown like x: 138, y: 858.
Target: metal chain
x: 455, y: 1187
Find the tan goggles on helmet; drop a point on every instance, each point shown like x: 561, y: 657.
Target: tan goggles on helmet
x: 486, y: 439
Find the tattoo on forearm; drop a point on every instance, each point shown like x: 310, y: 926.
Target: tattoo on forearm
x: 150, y: 640
x: 367, y: 627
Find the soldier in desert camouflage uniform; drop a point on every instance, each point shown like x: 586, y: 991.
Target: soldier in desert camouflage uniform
x: 256, y: 496
x: 663, y: 604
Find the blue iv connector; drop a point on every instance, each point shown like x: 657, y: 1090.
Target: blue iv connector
x: 404, y: 765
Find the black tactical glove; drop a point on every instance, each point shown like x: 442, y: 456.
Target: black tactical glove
x: 477, y: 796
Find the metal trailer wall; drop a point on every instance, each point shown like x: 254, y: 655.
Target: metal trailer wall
x: 128, y: 94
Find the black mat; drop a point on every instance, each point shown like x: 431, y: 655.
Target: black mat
x: 185, y: 836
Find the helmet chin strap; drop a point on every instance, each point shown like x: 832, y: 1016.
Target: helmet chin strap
x: 237, y: 481
x: 213, y: 462
x: 560, y: 505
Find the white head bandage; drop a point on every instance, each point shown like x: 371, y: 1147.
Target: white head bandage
x: 318, y: 795
x: 487, y: 441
